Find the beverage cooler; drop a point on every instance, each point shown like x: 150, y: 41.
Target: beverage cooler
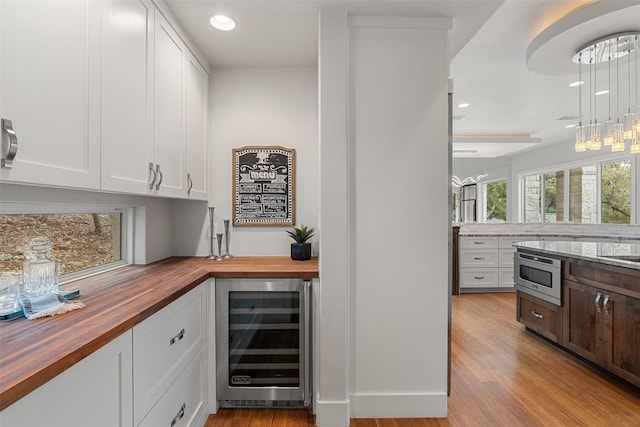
x: 263, y: 342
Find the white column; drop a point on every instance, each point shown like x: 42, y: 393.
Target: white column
x: 398, y: 83
x: 332, y: 302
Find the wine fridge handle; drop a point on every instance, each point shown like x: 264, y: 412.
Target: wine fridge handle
x: 307, y: 344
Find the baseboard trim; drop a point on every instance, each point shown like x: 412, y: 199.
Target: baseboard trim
x: 425, y: 405
x: 332, y: 413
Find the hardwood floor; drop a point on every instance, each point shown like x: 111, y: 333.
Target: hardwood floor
x: 501, y: 376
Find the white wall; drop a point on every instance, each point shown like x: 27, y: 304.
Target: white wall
x: 263, y: 106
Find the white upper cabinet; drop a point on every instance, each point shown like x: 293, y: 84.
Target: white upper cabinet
x: 49, y: 91
x: 127, y: 143
x: 168, y: 120
x: 105, y: 96
x: 196, y: 128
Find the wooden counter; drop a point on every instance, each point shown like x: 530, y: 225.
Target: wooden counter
x: 33, y: 352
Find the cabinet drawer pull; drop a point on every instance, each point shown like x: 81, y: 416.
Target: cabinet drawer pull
x: 537, y: 315
x: 189, y: 183
x: 152, y: 176
x: 160, y: 177
x: 7, y: 162
x: 478, y: 243
x: 177, y: 338
x: 179, y: 415
x: 479, y: 258
x: 478, y: 277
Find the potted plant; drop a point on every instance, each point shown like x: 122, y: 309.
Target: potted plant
x: 301, y: 249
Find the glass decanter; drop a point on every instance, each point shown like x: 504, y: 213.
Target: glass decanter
x: 40, y: 272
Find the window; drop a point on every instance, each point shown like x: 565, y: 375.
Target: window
x: 583, y: 203
x: 533, y: 198
x: 615, y: 192
x: 587, y: 194
x: 495, y: 201
x: 82, y: 242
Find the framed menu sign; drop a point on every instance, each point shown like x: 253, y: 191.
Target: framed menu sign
x: 263, y: 186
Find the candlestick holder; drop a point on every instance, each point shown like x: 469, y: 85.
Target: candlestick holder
x: 219, y: 257
x: 227, y: 239
x: 211, y: 234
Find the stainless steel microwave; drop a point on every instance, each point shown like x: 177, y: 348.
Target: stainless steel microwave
x: 538, y: 276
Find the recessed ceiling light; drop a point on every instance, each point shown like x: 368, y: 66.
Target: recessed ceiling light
x: 222, y: 22
x: 570, y: 126
x: 463, y: 105
x: 576, y: 83
x: 602, y: 92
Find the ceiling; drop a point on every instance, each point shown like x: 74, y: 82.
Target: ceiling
x: 494, y: 47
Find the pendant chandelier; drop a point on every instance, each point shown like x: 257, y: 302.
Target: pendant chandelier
x: 620, y: 52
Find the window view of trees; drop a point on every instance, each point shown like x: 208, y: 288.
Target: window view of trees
x: 591, y: 197
x: 79, y: 241
x: 615, y: 192
x: 496, y: 201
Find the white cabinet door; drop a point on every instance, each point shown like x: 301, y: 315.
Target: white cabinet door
x: 164, y: 344
x: 184, y: 404
x: 96, y: 391
x: 49, y: 90
x: 127, y: 47
x: 168, y: 100
x: 196, y: 129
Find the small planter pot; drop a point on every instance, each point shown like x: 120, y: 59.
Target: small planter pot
x: 301, y: 251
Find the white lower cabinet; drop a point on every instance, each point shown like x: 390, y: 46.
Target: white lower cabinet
x: 96, y: 391
x: 163, y: 346
x: 486, y: 262
x: 184, y: 403
x: 155, y: 374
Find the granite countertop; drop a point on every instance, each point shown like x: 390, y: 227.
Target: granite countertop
x: 611, y: 253
x: 555, y: 230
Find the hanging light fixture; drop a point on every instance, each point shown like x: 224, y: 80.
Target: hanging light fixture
x: 627, y: 127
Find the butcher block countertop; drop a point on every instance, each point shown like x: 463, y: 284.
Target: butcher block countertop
x: 34, y: 351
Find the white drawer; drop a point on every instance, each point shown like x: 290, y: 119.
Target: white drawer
x: 479, y: 242
x: 506, y: 257
x: 163, y: 345
x: 184, y: 403
x: 478, y: 258
x: 479, y: 278
x: 507, y: 278
x: 508, y: 241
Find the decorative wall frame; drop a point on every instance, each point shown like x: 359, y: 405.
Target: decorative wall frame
x: 263, y: 186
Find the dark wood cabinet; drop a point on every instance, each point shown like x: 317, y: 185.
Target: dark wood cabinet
x: 582, y: 324
x: 539, y: 316
x: 601, y: 316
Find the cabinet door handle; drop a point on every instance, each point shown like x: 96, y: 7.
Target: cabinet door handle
x: 605, y: 304
x: 597, y: 301
x: 152, y: 175
x: 537, y: 315
x: 179, y: 415
x: 7, y: 162
x: 189, y: 183
x: 177, y: 338
x: 160, y: 177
